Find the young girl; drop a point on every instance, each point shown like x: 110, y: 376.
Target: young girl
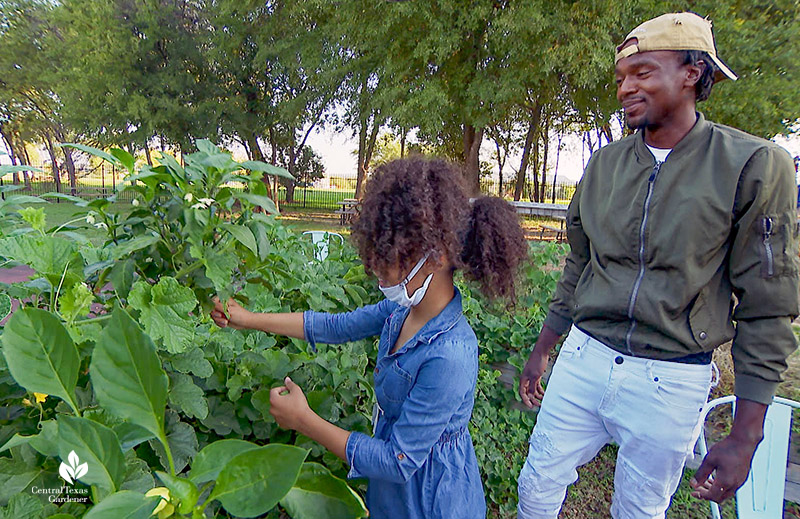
x: 415, y: 228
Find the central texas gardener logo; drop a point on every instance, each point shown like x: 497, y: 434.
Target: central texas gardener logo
x: 75, y: 470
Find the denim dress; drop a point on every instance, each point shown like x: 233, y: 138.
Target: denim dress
x: 420, y: 463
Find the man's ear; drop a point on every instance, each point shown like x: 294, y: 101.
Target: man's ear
x: 694, y: 73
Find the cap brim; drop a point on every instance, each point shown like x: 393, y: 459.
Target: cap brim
x: 724, y: 72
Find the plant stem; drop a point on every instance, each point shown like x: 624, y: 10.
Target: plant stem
x: 189, y: 269
x: 163, y: 438
x: 93, y: 320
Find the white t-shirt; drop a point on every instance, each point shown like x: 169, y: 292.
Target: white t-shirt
x: 659, y: 153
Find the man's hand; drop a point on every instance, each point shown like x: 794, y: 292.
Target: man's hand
x: 731, y: 459
x: 727, y: 464
x: 530, y: 383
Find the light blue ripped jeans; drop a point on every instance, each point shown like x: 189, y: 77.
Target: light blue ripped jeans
x: 595, y: 395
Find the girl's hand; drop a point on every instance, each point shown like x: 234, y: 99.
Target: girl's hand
x: 236, y: 318
x: 288, y: 405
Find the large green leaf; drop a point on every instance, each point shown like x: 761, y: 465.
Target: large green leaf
x: 164, y: 309
x: 127, y: 375
x: 49, y: 256
x: 253, y: 482
x: 5, y: 170
x: 243, y: 235
x: 269, y: 169
x: 125, y: 158
x: 97, y: 446
x: 124, y: 505
x: 125, y: 249
x: 15, y: 477
x: 318, y: 494
x: 181, y: 488
x: 41, y: 355
x: 209, y: 462
x: 187, y: 396
x: 46, y: 442
x: 93, y: 151
x: 261, y: 201
x: 22, y: 506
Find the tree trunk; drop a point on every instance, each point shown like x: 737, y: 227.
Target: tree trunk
x: 147, y: 154
x: 501, y: 161
x: 54, y: 162
x: 543, y: 184
x: 73, y: 181
x: 274, y: 150
x: 26, y: 176
x: 526, y: 153
x: 291, y: 184
x: 403, y: 142
x: 362, y: 151
x: 368, y: 155
x: 472, y: 167
x: 15, y: 161
x: 555, y: 171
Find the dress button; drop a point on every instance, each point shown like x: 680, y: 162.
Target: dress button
x: 702, y: 335
x: 619, y: 360
x: 401, y: 456
x: 377, y: 370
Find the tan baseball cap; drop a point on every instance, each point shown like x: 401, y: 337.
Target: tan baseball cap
x: 675, y: 31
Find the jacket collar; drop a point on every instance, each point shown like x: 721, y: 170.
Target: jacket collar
x: 692, y: 139
x: 443, y: 322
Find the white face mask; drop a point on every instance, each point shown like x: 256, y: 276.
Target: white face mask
x: 398, y: 293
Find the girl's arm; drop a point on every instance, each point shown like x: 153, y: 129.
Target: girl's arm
x: 290, y: 408
x: 311, y: 326
x: 288, y: 324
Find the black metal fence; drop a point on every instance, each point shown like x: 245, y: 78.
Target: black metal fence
x: 101, y: 181
x: 563, y: 191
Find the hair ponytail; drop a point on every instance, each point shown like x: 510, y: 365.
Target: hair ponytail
x: 494, y: 245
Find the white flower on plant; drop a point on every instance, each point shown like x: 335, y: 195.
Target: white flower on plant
x: 90, y: 218
x: 199, y: 205
x: 206, y: 201
x: 188, y: 197
x: 101, y: 225
x: 135, y: 202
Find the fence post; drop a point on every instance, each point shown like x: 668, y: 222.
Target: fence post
x: 114, y: 178
x: 103, y: 178
x: 304, y: 196
x: 2, y: 194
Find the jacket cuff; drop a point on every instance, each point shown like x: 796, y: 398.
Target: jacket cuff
x: 308, y: 329
x: 353, y: 442
x: 753, y: 388
x: 557, y: 323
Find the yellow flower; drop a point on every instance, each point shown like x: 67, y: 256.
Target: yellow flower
x: 164, y: 509
x: 40, y: 397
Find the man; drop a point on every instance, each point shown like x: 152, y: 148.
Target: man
x: 682, y: 238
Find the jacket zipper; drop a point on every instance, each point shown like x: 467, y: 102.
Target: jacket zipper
x: 766, y: 226
x: 635, y: 292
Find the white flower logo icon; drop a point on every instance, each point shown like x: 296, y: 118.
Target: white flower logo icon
x: 75, y: 470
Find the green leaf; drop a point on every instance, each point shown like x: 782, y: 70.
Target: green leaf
x: 5, y: 306
x: 192, y: 361
x: 97, y: 446
x: 75, y: 302
x: 130, y: 435
x: 23, y: 506
x: 125, y: 158
x: 80, y: 202
x: 187, y: 396
x: 93, y: 151
x: 41, y: 355
x: 125, y: 249
x: 243, y: 235
x: 15, y: 478
x: 122, y: 275
x: 181, y: 488
x: 164, y: 312
x: 253, y: 482
x: 182, y: 441
x: 49, y: 256
x: 318, y: 494
x: 127, y: 376
x: 5, y: 170
x: 35, y: 217
x: 261, y: 201
x: 124, y: 505
x: 269, y: 169
x: 46, y: 442
x: 210, y: 461
x: 219, y: 266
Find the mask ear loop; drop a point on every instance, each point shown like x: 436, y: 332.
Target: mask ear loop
x: 714, y: 374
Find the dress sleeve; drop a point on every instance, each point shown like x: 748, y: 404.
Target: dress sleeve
x: 363, y: 322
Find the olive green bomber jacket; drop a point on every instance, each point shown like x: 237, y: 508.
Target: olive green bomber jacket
x: 675, y: 259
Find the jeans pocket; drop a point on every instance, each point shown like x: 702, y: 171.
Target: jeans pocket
x: 679, y: 393
x: 572, y: 346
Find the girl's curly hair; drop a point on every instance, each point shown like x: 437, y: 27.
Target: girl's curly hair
x: 416, y: 205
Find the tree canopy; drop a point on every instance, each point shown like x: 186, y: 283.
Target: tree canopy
x: 266, y: 74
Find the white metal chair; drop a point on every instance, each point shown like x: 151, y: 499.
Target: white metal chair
x: 321, y: 241
x: 761, y: 496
